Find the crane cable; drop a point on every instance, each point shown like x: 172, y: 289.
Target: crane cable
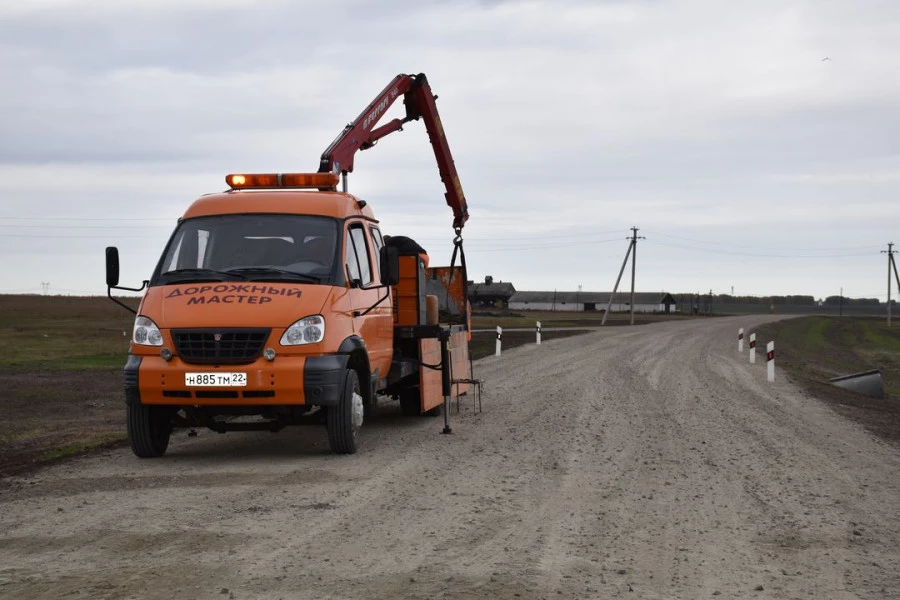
x: 465, y: 309
x: 458, y: 249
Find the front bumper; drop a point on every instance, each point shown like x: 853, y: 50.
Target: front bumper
x: 289, y: 380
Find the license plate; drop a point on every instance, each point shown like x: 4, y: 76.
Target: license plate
x: 215, y: 379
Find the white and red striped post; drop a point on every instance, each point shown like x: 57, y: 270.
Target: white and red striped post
x: 538, y: 334
x: 770, y: 361
x: 752, y: 348
x: 741, y: 339
x: 499, y: 335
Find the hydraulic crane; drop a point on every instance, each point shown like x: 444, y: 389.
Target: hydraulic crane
x: 362, y: 134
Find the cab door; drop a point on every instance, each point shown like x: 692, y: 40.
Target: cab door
x: 375, y: 327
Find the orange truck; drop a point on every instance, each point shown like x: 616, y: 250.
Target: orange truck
x: 279, y: 302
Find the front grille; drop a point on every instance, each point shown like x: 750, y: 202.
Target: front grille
x: 219, y: 346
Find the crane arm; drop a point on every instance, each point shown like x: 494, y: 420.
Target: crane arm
x: 362, y: 134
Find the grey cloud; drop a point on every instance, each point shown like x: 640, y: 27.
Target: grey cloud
x: 563, y: 116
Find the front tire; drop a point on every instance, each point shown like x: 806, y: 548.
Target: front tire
x: 149, y: 429
x: 344, y: 420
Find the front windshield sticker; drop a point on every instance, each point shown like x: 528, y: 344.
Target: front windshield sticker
x: 233, y: 293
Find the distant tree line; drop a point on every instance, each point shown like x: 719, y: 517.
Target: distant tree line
x: 798, y: 300
x: 837, y: 300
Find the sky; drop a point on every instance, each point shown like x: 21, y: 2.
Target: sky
x: 755, y: 145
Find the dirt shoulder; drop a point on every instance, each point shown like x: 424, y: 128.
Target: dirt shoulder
x: 48, y: 416
x: 812, y: 350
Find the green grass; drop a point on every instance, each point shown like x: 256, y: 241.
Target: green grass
x: 22, y: 436
x: 815, y: 333
x: 806, y: 334
x: 63, y: 334
x: 876, y: 333
x: 91, y: 443
x: 90, y: 362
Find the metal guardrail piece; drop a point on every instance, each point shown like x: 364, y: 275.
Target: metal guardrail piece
x: 868, y: 383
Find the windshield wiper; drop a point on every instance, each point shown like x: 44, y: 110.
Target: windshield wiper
x: 273, y: 273
x: 184, y: 275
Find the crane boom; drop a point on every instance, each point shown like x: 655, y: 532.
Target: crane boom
x: 362, y: 134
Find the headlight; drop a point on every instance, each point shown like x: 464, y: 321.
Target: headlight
x: 146, y: 333
x: 307, y: 330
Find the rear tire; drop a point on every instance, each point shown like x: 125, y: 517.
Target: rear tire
x: 149, y: 429
x: 344, y: 420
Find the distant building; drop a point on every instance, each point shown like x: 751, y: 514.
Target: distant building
x: 490, y: 293
x: 646, y: 302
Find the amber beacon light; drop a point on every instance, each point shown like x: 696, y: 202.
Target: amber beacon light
x: 282, y: 180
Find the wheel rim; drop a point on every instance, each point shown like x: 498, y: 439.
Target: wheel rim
x: 356, y: 407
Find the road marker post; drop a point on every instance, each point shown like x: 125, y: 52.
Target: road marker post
x: 499, y: 335
x: 741, y: 339
x: 770, y: 361
x: 538, y: 334
x: 752, y: 348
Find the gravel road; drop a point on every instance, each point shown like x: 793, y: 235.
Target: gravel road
x: 629, y: 462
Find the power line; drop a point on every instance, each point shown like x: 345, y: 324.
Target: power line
x: 866, y: 247
x: 520, y: 245
x: 82, y: 237
x: 87, y: 218
x: 526, y: 236
x: 755, y: 254
x: 105, y: 227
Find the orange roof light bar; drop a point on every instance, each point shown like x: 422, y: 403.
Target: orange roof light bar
x: 282, y: 180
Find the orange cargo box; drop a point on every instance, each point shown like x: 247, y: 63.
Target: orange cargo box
x: 409, y: 293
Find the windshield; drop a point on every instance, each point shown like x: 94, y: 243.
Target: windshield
x: 250, y: 247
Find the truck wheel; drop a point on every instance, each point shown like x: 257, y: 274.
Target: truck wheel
x: 149, y: 428
x: 344, y: 420
x: 410, y: 404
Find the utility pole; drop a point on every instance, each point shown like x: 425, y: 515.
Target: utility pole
x: 632, y: 251
x: 890, y: 254
x: 618, y: 279
x: 634, y: 239
x: 841, y: 304
x: 894, y: 264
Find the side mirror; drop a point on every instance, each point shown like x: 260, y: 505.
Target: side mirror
x: 390, y: 266
x: 112, y: 266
